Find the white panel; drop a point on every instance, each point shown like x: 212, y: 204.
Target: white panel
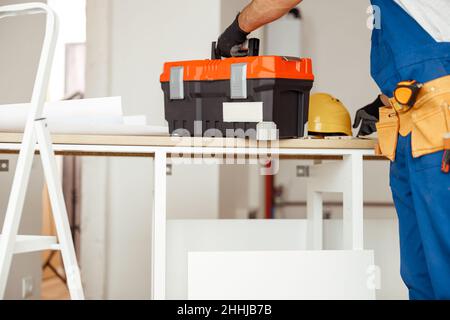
x: 219, y: 235
x: 243, y: 112
x: 185, y: 236
x: 280, y: 275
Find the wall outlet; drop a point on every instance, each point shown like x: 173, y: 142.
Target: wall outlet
x: 4, y: 165
x: 27, y: 287
x: 302, y: 171
x: 169, y: 169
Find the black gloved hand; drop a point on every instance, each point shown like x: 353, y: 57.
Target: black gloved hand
x: 231, y: 41
x: 368, y: 117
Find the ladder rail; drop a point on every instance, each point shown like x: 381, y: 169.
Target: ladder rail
x: 28, y: 146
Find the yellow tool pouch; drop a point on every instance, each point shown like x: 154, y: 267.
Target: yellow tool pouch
x: 387, y: 128
x: 427, y: 121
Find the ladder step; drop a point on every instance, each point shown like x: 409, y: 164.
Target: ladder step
x: 26, y: 244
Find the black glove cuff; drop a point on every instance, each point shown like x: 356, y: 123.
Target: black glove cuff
x: 374, y: 108
x: 235, y: 32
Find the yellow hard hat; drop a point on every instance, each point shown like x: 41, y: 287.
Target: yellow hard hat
x: 328, y: 116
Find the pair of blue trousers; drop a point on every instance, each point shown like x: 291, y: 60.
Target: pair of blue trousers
x: 421, y: 195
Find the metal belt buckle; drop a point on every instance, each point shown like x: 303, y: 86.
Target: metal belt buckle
x: 399, y: 107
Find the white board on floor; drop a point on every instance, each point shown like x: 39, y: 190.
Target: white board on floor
x: 273, y: 275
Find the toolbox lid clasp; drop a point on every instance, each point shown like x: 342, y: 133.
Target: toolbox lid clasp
x: 238, y: 81
x: 176, y: 83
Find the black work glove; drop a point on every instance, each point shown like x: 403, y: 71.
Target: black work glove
x: 368, y: 117
x: 231, y: 41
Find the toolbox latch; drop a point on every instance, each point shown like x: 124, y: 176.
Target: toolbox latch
x: 176, y: 83
x: 238, y: 81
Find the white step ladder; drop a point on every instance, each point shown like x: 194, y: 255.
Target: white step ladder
x: 36, y: 131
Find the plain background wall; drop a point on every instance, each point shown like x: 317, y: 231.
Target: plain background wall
x: 21, y: 41
x: 240, y: 187
x: 144, y: 35
x: 335, y: 35
x: 127, y: 44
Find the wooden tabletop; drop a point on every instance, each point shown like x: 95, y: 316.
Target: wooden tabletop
x: 167, y: 141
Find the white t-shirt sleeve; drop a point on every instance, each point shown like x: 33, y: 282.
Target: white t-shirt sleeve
x: 432, y: 15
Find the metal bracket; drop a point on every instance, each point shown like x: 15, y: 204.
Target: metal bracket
x: 238, y: 81
x: 176, y: 83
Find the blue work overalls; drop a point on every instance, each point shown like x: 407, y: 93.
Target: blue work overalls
x: 403, y: 50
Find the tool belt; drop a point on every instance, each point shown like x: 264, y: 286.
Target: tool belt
x: 428, y: 121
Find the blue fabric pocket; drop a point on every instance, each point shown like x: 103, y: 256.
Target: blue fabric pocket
x: 428, y: 161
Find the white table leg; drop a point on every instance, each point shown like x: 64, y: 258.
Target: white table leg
x: 158, y: 278
x: 353, y: 202
x: 324, y: 177
x: 315, y: 218
x: 338, y: 176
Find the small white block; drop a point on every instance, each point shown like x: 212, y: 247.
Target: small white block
x: 266, y: 131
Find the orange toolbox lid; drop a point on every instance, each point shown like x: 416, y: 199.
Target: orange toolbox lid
x: 258, y: 67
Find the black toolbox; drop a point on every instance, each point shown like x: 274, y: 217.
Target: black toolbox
x: 226, y: 97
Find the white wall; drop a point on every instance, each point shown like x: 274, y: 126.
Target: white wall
x: 21, y: 40
x: 144, y: 36
x: 339, y: 28
x: 336, y: 37
x: 127, y: 44
x: 193, y: 192
x: 72, y: 29
x: 234, y: 191
x: 240, y: 187
x: 24, y: 265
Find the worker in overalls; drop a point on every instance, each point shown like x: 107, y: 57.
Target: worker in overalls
x: 411, y: 64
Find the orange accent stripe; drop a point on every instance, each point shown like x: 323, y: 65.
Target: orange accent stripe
x: 262, y: 67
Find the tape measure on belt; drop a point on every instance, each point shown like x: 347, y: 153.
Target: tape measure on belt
x: 406, y: 94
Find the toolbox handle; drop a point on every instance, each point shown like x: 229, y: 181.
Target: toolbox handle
x: 253, y: 49
x: 214, y: 54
